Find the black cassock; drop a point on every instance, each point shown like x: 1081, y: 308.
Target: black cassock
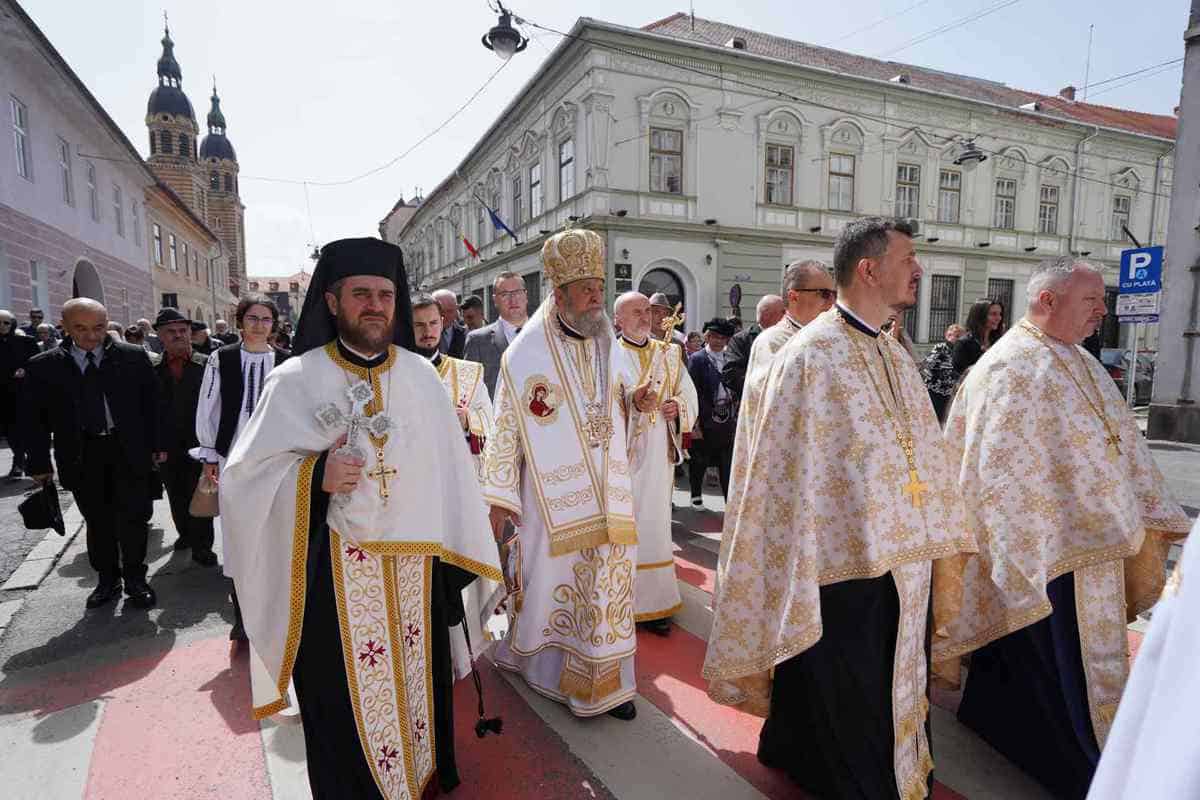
x: 1026, y: 696
x: 337, y: 767
x: 830, y: 724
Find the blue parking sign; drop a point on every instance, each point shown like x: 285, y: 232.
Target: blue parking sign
x: 1141, y: 270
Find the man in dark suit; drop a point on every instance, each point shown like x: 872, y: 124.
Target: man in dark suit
x: 488, y: 344
x: 15, y: 351
x: 769, y: 310
x: 180, y: 375
x: 99, y: 400
x: 454, y: 334
x: 202, y: 341
x: 712, y: 436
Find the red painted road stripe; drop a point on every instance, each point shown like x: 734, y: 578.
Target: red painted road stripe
x: 668, y: 672
x: 182, y: 730
x: 527, y: 762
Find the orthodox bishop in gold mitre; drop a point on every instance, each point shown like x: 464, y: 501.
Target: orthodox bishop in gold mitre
x: 1071, y: 518
x: 556, y: 466
x: 820, y: 617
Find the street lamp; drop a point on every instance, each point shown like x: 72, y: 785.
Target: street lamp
x: 504, y: 40
x: 970, y: 156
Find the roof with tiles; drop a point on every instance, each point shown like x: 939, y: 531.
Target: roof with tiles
x: 680, y: 26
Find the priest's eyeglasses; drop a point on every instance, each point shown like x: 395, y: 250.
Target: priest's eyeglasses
x: 826, y: 294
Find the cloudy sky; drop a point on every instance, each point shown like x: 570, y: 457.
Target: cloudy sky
x: 323, y: 92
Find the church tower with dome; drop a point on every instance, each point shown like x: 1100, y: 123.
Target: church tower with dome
x: 203, y: 173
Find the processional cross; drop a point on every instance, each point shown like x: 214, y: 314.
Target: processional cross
x: 377, y: 426
x: 668, y: 326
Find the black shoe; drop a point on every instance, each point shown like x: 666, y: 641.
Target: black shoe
x: 104, y: 593
x: 659, y: 627
x: 182, y: 544
x: 205, y: 558
x: 15, y: 474
x: 141, y: 595
x: 624, y: 712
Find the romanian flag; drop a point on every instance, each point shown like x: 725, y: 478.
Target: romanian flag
x: 498, y: 223
x: 470, y: 247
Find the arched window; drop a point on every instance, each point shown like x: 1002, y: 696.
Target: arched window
x: 185, y: 149
x: 153, y: 144
x: 665, y: 281
x: 166, y: 142
x: 214, y: 181
x: 228, y: 182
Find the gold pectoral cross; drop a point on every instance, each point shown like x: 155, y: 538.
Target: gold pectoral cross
x: 1114, y: 446
x: 381, y: 474
x: 915, y: 488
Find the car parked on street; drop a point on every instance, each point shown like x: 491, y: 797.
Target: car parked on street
x: 1116, y: 363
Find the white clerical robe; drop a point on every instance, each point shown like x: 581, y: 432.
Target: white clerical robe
x: 836, y: 508
x: 762, y: 352
x: 572, y: 637
x: 1152, y: 749
x: 381, y: 548
x: 655, y: 449
x: 463, y: 382
x: 1047, y: 493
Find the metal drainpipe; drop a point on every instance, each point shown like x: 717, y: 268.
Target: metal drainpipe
x: 1075, y: 186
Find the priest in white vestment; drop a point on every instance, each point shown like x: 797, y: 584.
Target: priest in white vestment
x: 820, y: 622
x: 1072, y: 520
x: 367, y: 527
x: 809, y: 290
x: 656, y: 448
x: 1152, y: 748
x: 468, y: 396
x: 557, y: 469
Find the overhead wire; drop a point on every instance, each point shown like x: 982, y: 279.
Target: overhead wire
x: 879, y: 22
x: 949, y: 26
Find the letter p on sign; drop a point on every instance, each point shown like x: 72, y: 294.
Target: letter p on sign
x: 1138, y: 261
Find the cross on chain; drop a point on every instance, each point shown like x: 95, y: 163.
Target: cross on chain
x: 915, y: 488
x: 1114, y: 446
x: 381, y: 474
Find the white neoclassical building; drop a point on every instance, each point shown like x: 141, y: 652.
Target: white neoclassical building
x: 710, y: 156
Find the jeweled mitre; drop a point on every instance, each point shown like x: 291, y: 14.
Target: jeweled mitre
x: 573, y: 255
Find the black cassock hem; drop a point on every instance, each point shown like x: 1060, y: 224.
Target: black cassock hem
x: 337, y: 767
x: 1026, y: 696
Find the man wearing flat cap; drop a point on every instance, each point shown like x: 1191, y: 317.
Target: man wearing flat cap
x: 557, y: 467
x: 367, y: 528
x: 712, y: 437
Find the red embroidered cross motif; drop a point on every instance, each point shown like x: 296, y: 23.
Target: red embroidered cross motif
x: 356, y: 553
x: 372, y: 652
x: 412, y: 634
x: 387, y: 758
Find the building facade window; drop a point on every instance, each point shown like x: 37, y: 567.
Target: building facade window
x: 196, y: 268
x: 949, y: 195
x: 1005, y: 214
x: 1048, y: 210
x: 153, y: 143
x: 566, y: 169
x: 228, y: 182
x: 64, y: 168
x: 943, y: 305
x: 780, y: 173
x: 93, y: 193
x: 118, y: 209
x: 841, y: 182
x: 39, y: 281
x: 174, y: 250
x: 535, y: 191
x: 170, y: 300
x: 20, y: 123
x: 908, y: 191
x: 156, y: 234
x: 166, y: 145
x: 187, y: 262
x: 666, y: 161
x: 516, y: 200
x: 1120, y: 216
x: 214, y: 181
x: 137, y: 223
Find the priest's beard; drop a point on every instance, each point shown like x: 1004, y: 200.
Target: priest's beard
x: 590, y: 323
x: 370, y: 341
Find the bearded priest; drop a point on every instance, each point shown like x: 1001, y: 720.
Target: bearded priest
x: 656, y: 448
x: 808, y: 287
x: 1072, y: 520
x: 820, y: 623
x: 367, y: 529
x: 557, y: 470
